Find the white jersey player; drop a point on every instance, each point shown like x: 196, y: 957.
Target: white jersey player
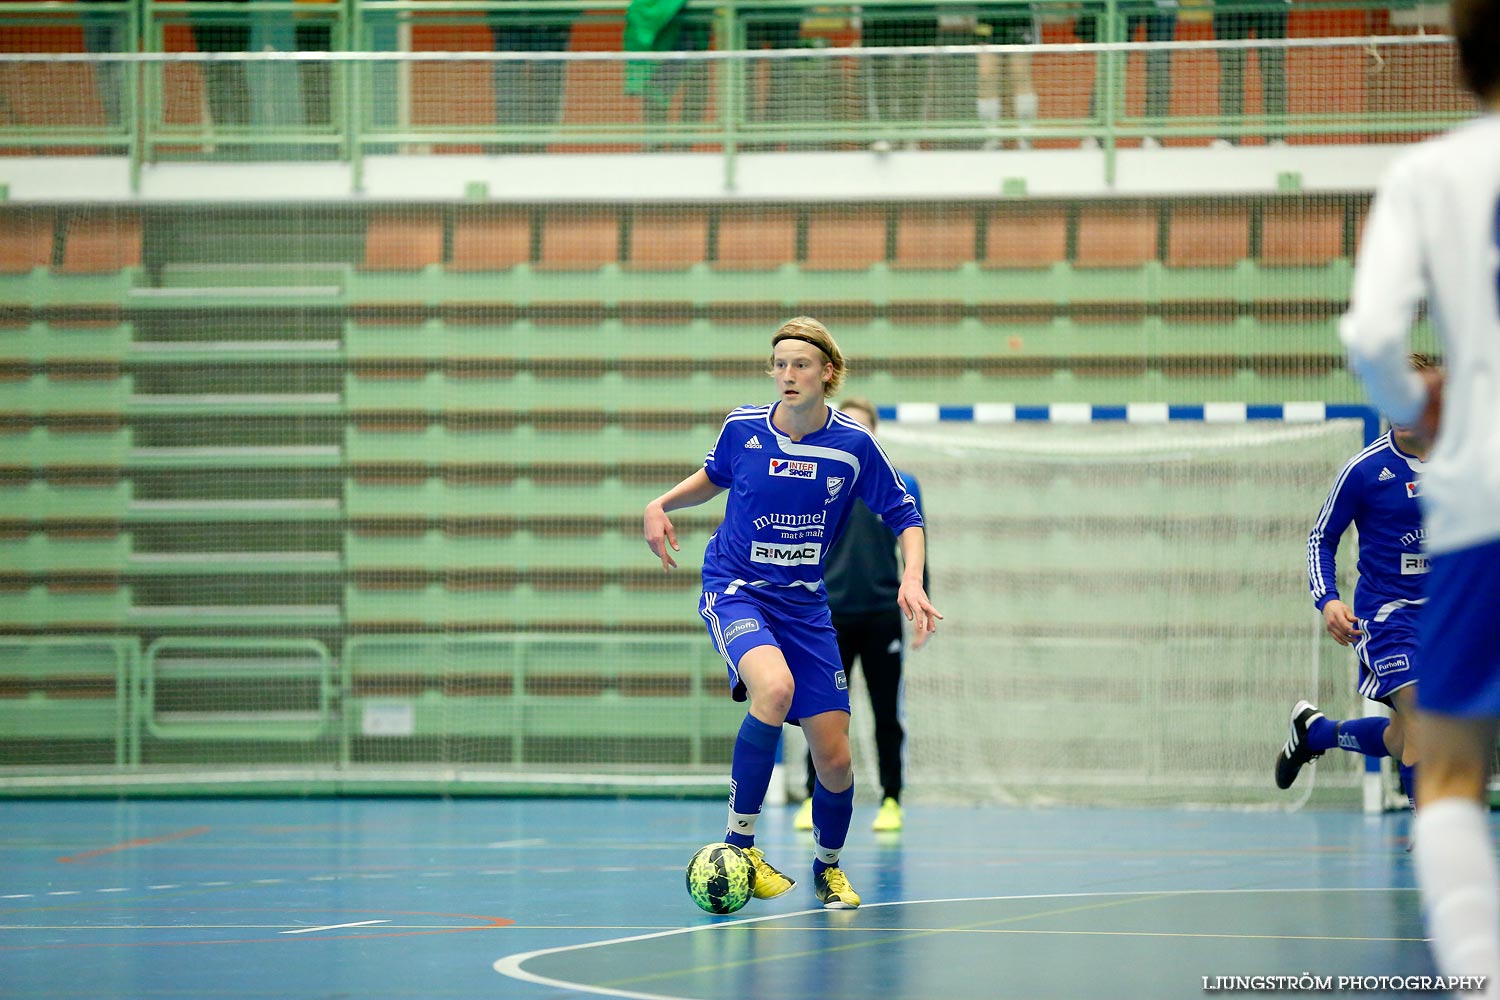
x: 1434, y: 234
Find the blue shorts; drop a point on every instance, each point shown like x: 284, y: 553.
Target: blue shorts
x: 1388, y: 659
x: 1463, y: 659
x: 738, y: 624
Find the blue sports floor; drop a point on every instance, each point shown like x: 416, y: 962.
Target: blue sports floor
x: 541, y: 899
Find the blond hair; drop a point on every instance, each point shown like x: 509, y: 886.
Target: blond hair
x: 809, y: 330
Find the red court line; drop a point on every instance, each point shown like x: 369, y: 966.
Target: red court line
x: 138, y: 842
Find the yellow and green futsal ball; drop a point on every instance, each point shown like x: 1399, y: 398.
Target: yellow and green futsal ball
x: 720, y: 878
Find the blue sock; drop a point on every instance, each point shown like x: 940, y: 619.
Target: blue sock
x: 831, y: 813
x: 1322, y: 735
x: 1366, y: 736
x: 749, y: 777
x: 1409, y: 783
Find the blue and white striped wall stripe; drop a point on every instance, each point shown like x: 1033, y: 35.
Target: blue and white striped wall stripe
x: 1134, y: 413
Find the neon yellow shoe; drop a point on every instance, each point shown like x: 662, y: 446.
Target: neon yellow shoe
x: 803, y: 819
x: 833, y: 889
x: 888, y: 819
x: 769, y: 883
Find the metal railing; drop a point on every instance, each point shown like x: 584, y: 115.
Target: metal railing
x: 299, y: 81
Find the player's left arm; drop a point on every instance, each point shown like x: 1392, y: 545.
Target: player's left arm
x: 883, y: 490
x: 912, y: 597
x: 914, y: 488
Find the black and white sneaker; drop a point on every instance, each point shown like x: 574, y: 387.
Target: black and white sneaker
x: 1296, y: 753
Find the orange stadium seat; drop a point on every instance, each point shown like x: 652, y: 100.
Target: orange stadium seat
x: 579, y: 239
x: 845, y: 239
x: 934, y: 238
x: 403, y: 241
x: 1026, y: 236
x: 1301, y: 234
x: 25, y: 241
x: 1208, y: 236
x: 667, y: 239
x: 1116, y: 236
x: 103, y: 241
x: 491, y: 239
x: 756, y: 239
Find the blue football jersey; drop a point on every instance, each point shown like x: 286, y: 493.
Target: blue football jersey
x: 1379, y: 491
x: 788, y: 501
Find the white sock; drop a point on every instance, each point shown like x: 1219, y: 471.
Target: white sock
x: 987, y: 108
x: 1026, y: 106
x: 1460, y: 885
x: 743, y: 823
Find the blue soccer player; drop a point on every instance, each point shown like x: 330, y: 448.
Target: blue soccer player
x: 1434, y: 234
x: 793, y: 469
x: 1378, y: 491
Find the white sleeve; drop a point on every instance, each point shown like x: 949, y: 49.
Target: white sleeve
x: 1389, y: 283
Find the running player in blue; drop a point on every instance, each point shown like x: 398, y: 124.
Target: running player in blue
x: 793, y: 468
x: 1434, y: 234
x: 1378, y: 491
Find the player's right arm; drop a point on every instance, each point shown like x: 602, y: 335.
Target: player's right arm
x: 1389, y: 283
x: 659, y: 533
x: 1322, y: 549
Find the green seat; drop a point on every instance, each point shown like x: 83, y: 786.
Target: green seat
x: 45, y: 287
x: 43, y: 446
x: 435, y: 550
x: 433, y: 497
x: 524, y: 444
x: 434, y: 605
x: 42, y: 552
x: 60, y: 607
x: 41, y: 394
x: 67, y: 690
x: 40, y: 341
x: 40, y: 500
x: 1328, y: 283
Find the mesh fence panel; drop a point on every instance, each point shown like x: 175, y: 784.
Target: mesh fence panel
x: 329, y: 491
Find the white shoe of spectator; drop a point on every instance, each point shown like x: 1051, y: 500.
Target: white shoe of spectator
x: 880, y: 146
x: 1150, y: 142
x: 1088, y: 142
x: 1219, y: 144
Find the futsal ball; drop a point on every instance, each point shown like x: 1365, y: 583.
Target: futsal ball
x: 720, y: 878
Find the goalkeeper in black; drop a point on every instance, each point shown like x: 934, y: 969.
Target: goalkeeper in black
x: 862, y: 574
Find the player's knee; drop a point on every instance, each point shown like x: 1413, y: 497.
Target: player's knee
x: 775, y: 695
x: 835, y: 768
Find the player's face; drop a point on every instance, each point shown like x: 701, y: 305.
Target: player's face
x: 799, y: 370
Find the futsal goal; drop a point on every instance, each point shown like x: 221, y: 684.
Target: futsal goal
x: 1127, y: 612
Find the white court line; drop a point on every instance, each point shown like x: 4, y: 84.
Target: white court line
x: 510, y: 965
x: 334, y: 927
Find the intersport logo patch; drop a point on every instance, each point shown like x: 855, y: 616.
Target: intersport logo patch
x: 794, y: 470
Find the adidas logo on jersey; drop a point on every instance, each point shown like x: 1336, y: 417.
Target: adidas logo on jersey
x: 754, y: 442
x: 1386, y: 474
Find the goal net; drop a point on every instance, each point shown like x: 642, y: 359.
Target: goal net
x: 1127, y: 613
